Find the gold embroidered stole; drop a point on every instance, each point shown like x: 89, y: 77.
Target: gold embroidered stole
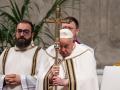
x: 33, y: 68
x: 70, y: 75
x: 33, y: 63
x: 46, y: 85
x: 4, y: 59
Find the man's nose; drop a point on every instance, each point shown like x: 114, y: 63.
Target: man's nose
x: 22, y: 34
x: 63, y: 49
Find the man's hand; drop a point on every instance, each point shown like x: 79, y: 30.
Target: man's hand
x: 12, y: 79
x: 55, y: 70
x: 57, y: 81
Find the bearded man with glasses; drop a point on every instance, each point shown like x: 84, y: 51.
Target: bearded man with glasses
x: 19, y: 64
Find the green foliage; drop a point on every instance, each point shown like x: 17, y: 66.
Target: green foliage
x: 39, y: 26
x: 11, y: 18
x: 16, y: 14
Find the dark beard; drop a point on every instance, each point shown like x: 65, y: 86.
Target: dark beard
x: 23, y: 43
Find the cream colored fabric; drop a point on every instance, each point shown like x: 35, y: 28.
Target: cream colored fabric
x: 111, y: 78
x: 84, y: 64
x: 20, y: 62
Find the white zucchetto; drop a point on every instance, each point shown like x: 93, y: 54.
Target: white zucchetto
x: 66, y: 33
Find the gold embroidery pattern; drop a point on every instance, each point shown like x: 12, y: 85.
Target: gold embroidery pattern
x: 33, y: 64
x: 4, y: 59
x: 71, y: 74
x: 34, y: 61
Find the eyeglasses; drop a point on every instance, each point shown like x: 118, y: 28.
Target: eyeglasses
x: 68, y: 28
x: 24, y: 31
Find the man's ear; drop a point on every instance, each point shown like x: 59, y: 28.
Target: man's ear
x: 32, y: 42
x: 32, y: 35
x: 77, y: 31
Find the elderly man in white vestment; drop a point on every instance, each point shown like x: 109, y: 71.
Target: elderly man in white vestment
x: 19, y: 64
x: 76, y: 69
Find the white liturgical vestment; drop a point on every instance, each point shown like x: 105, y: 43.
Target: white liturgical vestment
x: 20, y: 62
x: 79, y: 68
x: 111, y: 78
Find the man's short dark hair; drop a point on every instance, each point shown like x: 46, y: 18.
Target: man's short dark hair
x: 72, y: 19
x: 28, y: 22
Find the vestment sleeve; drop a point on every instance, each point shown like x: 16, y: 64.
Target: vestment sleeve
x: 43, y: 69
x: 1, y: 71
x: 28, y: 82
